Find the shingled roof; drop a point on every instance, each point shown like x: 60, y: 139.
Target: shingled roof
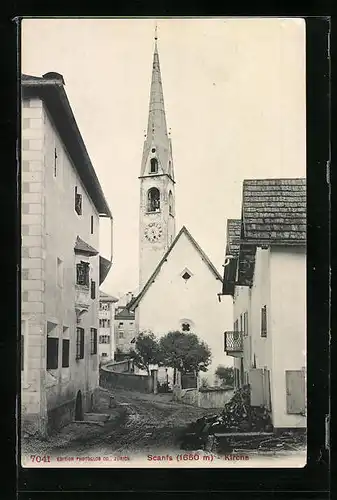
x: 274, y: 210
x: 83, y: 247
x: 233, y: 234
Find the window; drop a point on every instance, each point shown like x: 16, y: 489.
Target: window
x: 93, y: 341
x: 65, y: 353
x: 186, y: 274
x: 264, y: 321
x: 82, y: 273
x: 186, y: 327
x: 59, y: 273
x: 93, y: 289
x: 104, y: 306
x: 120, y: 324
x: 55, y: 162
x: 236, y: 326
x: 79, y: 343
x: 22, y: 351
x: 241, y: 323
x: 104, y: 339
x: 52, y: 346
x: 121, y: 335
x: 153, y: 200
x: 104, y: 323
x: 92, y: 224
x: 170, y: 197
x: 78, y: 202
x: 245, y: 323
x: 52, y: 353
x: 154, y: 165
x: 104, y: 354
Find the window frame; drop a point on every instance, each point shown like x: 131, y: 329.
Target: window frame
x: 80, y: 341
x: 93, y: 341
x: 78, y: 205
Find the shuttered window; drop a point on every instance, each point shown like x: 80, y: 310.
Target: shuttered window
x: 52, y: 353
x: 93, y: 340
x: 79, y: 343
x: 295, y: 392
x: 65, y: 353
x: 93, y: 289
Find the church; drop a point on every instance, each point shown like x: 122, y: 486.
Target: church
x: 179, y: 286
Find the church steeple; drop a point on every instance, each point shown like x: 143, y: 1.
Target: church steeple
x: 157, y: 135
x: 157, y: 196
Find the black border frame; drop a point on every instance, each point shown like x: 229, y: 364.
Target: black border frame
x: 253, y: 483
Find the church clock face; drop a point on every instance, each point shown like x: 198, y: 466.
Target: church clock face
x: 153, y: 232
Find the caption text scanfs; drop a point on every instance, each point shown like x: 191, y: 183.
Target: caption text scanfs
x: 182, y: 457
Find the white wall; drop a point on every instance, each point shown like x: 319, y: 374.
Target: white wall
x: 288, y: 294
x: 170, y: 299
x: 63, y: 225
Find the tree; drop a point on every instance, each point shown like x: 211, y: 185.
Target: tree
x: 146, y: 351
x: 184, y: 352
x: 225, y: 374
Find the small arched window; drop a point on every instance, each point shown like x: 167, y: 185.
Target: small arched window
x: 170, y: 199
x: 153, y: 200
x: 153, y: 165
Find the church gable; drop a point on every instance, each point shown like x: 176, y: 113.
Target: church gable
x: 184, y: 263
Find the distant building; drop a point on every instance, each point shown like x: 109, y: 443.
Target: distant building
x: 61, y: 269
x: 106, y: 333
x: 125, y: 329
x: 265, y: 273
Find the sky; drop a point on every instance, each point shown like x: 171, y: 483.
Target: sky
x: 234, y: 92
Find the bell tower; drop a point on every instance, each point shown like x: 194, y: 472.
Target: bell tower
x: 157, y: 198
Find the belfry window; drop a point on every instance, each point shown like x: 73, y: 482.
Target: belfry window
x: 170, y: 203
x: 153, y: 165
x: 153, y: 200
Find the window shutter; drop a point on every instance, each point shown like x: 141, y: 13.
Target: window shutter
x: 52, y: 353
x: 82, y: 343
x: 65, y: 353
x: 295, y: 389
x: 93, y: 289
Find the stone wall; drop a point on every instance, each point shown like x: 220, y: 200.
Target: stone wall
x: 209, y: 398
x: 113, y: 380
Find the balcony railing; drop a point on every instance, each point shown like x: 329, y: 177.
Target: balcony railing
x: 233, y: 342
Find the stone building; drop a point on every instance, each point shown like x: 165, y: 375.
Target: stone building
x: 125, y: 329
x: 106, y: 333
x: 265, y: 274
x: 61, y: 268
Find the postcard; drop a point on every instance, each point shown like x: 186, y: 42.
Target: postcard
x: 163, y: 270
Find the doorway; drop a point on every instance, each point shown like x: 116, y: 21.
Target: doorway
x: 78, y: 407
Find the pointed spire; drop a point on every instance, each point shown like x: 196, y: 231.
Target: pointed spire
x: 157, y: 119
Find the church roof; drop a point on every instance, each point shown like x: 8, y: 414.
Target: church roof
x: 134, y: 302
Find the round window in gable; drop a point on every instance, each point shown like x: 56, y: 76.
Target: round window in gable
x: 153, y: 150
